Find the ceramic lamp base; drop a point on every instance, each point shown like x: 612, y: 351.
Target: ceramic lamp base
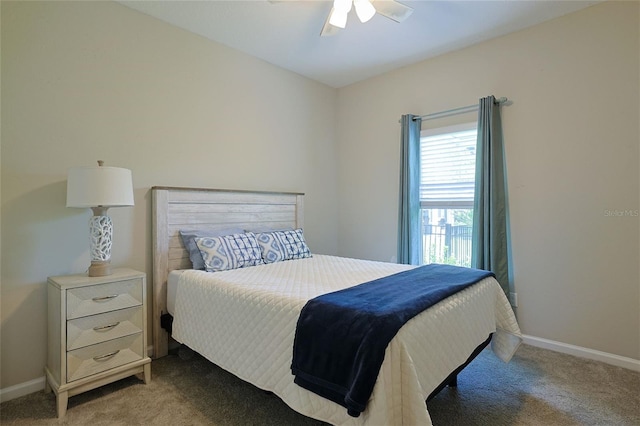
x: 100, y: 232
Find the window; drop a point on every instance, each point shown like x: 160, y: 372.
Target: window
x: 447, y: 184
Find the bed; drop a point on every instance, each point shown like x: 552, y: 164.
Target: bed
x: 244, y: 320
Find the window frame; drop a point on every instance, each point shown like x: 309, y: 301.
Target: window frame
x: 445, y: 253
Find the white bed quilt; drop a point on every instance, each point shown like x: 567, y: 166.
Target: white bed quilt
x: 244, y: 321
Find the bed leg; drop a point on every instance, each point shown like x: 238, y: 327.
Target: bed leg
x: 453, y: 382
x: 452, y: 379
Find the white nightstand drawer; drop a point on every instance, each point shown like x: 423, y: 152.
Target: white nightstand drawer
x: 104, y: 356
x: 96, y: 299
x: 99, y: 328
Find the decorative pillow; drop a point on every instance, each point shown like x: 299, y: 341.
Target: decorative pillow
x: 188, y: 239
x: 283, y: 245
x: 272, y: 250
x: 229, y: 251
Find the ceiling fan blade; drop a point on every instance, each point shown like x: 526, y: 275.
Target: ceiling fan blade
x: 392, y: 9
x: 327, y: 28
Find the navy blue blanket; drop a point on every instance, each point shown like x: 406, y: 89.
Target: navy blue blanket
x: 341, y: 337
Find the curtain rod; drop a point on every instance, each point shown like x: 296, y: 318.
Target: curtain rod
x: 456, y: 111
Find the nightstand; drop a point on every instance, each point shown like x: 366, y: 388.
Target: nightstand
x: 97, y: 332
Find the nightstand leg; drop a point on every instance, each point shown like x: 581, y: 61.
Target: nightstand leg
x: 147, y: 373
x: 62, y: 399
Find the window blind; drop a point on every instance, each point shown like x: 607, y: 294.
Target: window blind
x: 447, y: 172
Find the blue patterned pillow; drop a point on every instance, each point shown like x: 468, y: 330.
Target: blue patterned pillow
x: 283, y: 245
x: 189, y: 241
x: 272, y: 250
x: 229, y: 251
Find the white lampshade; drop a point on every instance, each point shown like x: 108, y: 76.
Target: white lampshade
x: 99, y: 186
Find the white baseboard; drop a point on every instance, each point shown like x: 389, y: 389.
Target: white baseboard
x: 617, y: 360
x: 22, y: 389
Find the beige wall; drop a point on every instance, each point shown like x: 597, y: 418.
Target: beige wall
x: 83, y: 81
x: 572, y: 138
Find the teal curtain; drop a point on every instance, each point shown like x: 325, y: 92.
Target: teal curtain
x: 491, y: 245
x: 409, y: 235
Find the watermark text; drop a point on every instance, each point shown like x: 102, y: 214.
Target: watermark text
x: 621, y: 213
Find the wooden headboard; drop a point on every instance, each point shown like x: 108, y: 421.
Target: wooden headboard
x: 174, y: 209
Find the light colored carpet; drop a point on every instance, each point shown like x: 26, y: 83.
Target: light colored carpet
x: 538, y: 387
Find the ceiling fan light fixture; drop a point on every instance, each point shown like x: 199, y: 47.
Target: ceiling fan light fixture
x: 342, y: 5
x: 338, y: 18
x: 364, y: 10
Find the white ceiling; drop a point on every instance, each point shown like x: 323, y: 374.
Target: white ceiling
x: 287, y: 33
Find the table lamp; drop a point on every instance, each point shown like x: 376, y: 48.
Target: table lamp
x: 99, y: 187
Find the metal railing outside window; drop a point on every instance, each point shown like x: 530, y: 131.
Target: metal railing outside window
x: 446, y: 242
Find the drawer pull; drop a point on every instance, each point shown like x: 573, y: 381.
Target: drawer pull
x: 104, y: 298
x: 105, y: 356
x: 106, y: 327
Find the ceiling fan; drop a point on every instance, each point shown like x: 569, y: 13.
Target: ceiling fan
x: 365, y: 9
